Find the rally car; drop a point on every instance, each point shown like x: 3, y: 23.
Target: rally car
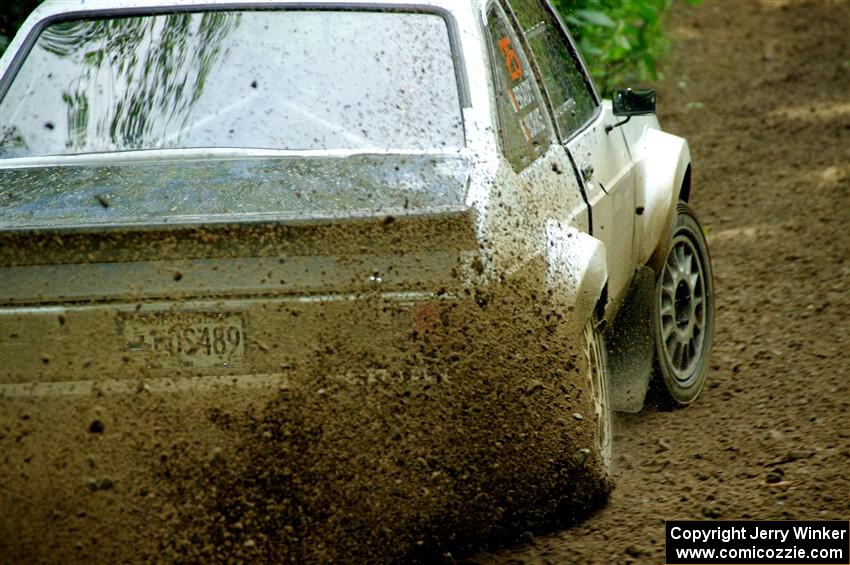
x: 316, y: 280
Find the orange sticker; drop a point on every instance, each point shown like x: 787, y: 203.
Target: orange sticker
x: 512, y: 61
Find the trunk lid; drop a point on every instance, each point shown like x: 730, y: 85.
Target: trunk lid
x: 227, y: 267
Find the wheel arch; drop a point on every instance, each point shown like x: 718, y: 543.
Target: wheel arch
x: 663, y: 167
x: 576, y: 270
x: 685, y: 188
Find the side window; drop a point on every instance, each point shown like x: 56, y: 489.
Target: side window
x: 572, y: 101
x: 524, y: 126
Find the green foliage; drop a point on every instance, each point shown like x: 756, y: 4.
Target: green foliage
x: 621, y: 40
x: 12, y: 15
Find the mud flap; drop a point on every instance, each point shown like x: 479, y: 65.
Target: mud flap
x: 630, y: 343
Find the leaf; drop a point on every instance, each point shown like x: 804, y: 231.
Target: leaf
x: 649, y: 61
x: 596, y: 18
x: 573, y: 21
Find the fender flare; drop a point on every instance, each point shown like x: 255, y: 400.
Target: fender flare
x: 576, y: 268
x: 662, y: 163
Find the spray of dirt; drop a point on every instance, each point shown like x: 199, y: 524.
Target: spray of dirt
x: 472, y: 424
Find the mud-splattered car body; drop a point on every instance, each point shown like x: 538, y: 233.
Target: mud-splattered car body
x: 368, y: 347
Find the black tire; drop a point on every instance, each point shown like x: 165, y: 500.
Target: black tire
x: 597, y: 364
x: 683, y: 313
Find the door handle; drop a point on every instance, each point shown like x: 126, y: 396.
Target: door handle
x: 586, y: 171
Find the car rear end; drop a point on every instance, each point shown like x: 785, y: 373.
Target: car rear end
x: 242, y: 309
x: 128, y: 351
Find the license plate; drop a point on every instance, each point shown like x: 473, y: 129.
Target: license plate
x: 187, y: 339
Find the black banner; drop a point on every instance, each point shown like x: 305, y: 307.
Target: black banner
x: 757, y: 542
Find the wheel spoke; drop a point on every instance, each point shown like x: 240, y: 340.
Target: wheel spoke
x: 669, y: 341
x: 685, y: 359
x: 668, y: 331
x: 596, y: 376
x: 680, y: 258
x: 694, y: 279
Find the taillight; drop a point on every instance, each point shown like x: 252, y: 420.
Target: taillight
x: 428, y: 321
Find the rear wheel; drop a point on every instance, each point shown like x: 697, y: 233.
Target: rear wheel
x: 683, y: 312
x: 598, y: 377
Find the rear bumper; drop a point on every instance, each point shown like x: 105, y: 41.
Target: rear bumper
x: 141, y: 342
x: 383, y: 420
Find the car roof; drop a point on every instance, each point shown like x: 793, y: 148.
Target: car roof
x: 58, y: 7
x: 50, y: 9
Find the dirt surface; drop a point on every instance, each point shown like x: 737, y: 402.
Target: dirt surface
x: 760, y: 89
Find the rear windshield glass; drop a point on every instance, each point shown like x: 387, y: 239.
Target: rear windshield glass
x: 296, y: 80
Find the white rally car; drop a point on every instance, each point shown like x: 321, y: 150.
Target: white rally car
x: 403, y: 249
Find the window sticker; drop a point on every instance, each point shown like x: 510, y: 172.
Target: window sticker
x: 524, y: 124
x: 533, y: 124
x: 522, y: 95
x: 512, y: 61
x: 568, y: 108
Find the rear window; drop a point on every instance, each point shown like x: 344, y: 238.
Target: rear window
x: 295, y: 80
